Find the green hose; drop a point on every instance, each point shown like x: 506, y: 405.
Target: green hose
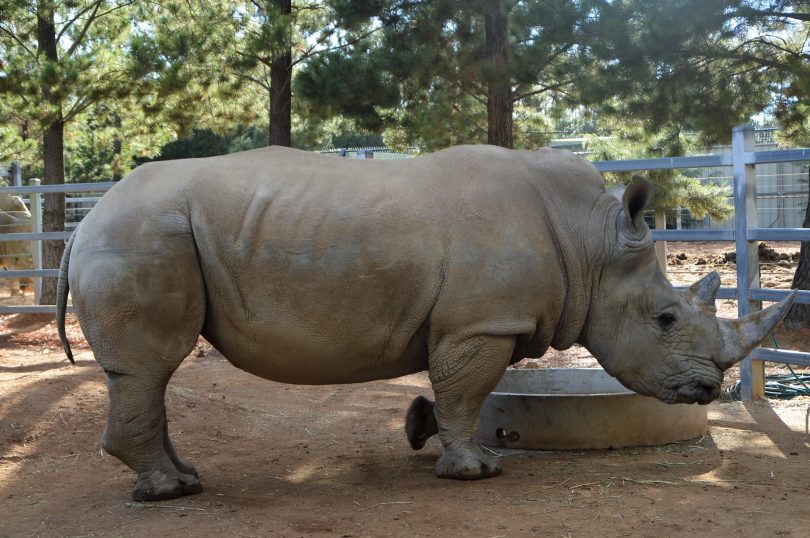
x: 777, y: 386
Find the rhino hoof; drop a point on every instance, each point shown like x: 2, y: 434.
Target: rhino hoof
x: 469, y: 466
x: 159, y: 486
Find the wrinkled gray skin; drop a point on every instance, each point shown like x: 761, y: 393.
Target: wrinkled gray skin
x: 309, y: 269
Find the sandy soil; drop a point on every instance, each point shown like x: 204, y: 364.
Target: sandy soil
x: 283, y: 460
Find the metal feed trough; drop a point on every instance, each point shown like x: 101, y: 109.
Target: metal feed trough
x: 580, y: 408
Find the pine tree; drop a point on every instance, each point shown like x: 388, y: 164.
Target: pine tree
x: 273, y: 38
x: 61, y: 58
x: 435, y: 69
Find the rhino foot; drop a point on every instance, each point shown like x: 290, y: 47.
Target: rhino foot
x: 160, y: 486
x: 420, y: 422
x: 467, y: 464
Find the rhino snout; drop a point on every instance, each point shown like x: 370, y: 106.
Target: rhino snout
x: 701, y: 392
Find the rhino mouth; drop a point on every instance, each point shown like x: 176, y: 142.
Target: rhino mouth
x: 701, y: 393
x: 701, y: 385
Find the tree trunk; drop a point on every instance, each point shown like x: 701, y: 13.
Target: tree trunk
x: 117, y: 147
x: 499, y: 85
x: 53, y: 214
x: 799, y: 315
x: 281, y: 89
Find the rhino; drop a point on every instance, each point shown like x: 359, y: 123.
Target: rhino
x: 308, y: 269
x: 15, y: 255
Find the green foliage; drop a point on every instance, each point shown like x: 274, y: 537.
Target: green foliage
x: 88, y: 67
x: 102, y: 143
x: 704, y: 65
x: 13, y: 146
x: 200, y: 143
x: 140, y: 74
x: 424, y: 76
x: 179, y: 59
x: 208, y: 143
x: 673, y: 188
x: 330, y: 82
x: 127, y: 77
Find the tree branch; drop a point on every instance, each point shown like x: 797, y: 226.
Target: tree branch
x: 255, y: 80
x: 69, y: 23
x: 80, y: 105
x: 18, y: 40
x: 478, y: 98
x: 543, y: 89
x: 93, y: 17
x: 83, y: 32
x: 751, y: 13
x: 310, y: 53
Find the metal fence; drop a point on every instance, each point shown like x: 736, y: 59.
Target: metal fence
x: 745, y: 232
x: 79, y: 199
x: 373, y: 152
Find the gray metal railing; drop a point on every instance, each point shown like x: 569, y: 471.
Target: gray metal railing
x: 34, y: 194
x: 748, y: 293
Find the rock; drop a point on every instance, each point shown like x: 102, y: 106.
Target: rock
x: 681, y: 256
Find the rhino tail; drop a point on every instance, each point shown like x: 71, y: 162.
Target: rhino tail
x: 62, y: 288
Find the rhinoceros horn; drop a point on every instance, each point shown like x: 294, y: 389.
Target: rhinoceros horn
x: 742, y: 335
x: 703, y: 292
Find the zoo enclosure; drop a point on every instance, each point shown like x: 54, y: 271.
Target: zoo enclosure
x: 745, y: 234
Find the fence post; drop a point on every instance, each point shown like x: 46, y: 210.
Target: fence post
x: 752, y: 373
x: 16, y: 174
x: 661, y: 246
x: 36, y: 227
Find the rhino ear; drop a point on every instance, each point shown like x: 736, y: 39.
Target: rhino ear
x: 638, y: 195
x: 616, y: 192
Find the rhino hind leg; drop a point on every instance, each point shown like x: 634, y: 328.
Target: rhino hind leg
x: 420, y: 422
x: 142, y: 319
x: 463, y: 374
x: 137, y: 434
x: 180, y: 465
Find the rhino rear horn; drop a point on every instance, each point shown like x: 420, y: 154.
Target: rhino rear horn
x: 704, y: 292
x: 742, y: 335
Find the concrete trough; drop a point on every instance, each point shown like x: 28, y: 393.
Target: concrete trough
x: 580, y: 408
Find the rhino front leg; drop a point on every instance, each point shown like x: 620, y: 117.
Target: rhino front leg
x: 463, y: 374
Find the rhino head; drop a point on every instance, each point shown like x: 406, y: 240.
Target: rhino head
x: 657, y: 340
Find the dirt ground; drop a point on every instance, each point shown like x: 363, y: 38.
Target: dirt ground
x: 285, y: 460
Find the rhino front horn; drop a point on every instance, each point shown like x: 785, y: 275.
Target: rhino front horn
x: 742, y: 335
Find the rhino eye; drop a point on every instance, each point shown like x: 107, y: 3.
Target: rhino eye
x: 666, y: 320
